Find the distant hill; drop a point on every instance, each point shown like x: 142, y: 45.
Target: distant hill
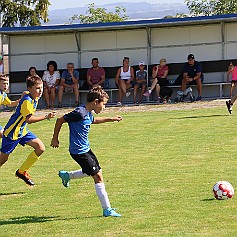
x: 134, y: 11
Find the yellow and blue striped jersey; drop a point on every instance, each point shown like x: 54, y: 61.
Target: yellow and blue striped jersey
x: 17, y: 126
x: 4, y: 100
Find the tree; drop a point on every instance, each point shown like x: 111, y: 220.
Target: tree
x: 211, y: 7
x: 23, y: 12
x: 95, y: 15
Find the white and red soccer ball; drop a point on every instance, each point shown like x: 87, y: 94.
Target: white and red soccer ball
x: 223, y: 190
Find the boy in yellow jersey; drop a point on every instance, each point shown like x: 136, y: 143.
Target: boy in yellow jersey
x: 4, y: 100
x: 16, y: 131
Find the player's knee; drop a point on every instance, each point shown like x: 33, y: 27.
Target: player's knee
x: 3, y: 159
x: 40, y: 149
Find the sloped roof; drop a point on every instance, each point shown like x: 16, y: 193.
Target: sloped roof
x: 120, y: 25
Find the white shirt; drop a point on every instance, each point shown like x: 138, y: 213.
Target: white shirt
x: 125, y: 75
x: 50, y: 79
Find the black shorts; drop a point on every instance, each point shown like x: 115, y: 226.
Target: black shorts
x: 88, y: 162
x: 162, y: 81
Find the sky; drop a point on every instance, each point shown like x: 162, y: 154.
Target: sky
x: 61, y: 4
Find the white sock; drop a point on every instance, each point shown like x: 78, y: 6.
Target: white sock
x: 149, y: 91
x: 102, y: 195
x: 77, y: 174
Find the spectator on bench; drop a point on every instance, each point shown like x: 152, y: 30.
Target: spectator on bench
x: 95, y: 75
x: 32, y: 72
x: 140, y: 81
x: 159, y: 78
x: 51, y: 79
x: 69, y: 81
x: 192, y: 75
x: 232, y: 70
x: 123, y: 79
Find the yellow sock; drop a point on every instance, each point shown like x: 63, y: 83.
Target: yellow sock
x: 31, y: 159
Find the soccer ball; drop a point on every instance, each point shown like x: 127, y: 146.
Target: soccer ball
x: 223, y: 190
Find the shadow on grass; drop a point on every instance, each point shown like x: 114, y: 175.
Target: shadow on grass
x: 203, y: 116
x: 28, y: 219
x: 208, y: 199
x: 9, y: 194
x: 39, y: 219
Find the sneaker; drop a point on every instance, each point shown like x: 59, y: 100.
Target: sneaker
x: 76, y: 104
x: 25, y: 177
x: 119, y: 104
x: 229, y: 106
x: 128, y: 94
x: 199, y: 98
x: 60, y: 105
x: 110, y: 212
x: 147, y: 93
x: 158, y: 100
x: 64, y: 175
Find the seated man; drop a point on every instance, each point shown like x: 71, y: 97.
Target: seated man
x: 69, y: 80
x: 192, y: 75
x: 95, y: 75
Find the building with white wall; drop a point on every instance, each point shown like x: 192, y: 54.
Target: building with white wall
x: 212, y: 39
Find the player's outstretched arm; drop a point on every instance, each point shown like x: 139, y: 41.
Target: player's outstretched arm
x: 34, y: 119
x: 98, y: 120
x: 57, y: 128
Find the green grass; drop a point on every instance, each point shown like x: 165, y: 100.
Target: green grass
x: 159, y: 168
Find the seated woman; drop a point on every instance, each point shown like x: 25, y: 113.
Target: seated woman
x: 51, y: 80
x: 123, y: 79
x: 159, y: 78
x: 32, y: 72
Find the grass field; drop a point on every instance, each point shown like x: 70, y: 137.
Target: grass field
x: 159, y: 169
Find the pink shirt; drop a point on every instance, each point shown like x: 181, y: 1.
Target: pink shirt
x: 161, y: 71
x: 95, y: 74
x: 234, y: 74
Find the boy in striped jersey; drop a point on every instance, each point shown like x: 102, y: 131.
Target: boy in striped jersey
x: 16, y: 131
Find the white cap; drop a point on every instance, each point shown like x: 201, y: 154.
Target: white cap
x: 141, y: 63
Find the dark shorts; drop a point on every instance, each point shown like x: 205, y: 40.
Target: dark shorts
x: 162, y: 81
x: 233, y: 82
x: 139, y: 84
x: 192, y: 83
x: 8, y: 145
x: 88, y: 162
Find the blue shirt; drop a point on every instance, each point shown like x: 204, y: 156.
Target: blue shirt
x: 192, y: 70
x: 79, y: 121
x: 68, y: 78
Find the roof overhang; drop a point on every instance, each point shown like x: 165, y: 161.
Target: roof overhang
x: 139, y: 24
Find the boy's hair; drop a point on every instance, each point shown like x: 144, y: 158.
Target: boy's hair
x: 97, y: 93
x: 4, y: 77
x: 32, y: 80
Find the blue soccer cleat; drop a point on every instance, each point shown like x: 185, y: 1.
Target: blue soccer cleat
x: 64, y: 175
x: 110, y: 212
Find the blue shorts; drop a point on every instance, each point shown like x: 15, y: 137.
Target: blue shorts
x: 8, y: 145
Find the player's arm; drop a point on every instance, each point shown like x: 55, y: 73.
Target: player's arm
x: 57, y: 128
x: 13, y: 103
x: 98, y: 120
x: 34, y: 119
x: 16, y: 102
